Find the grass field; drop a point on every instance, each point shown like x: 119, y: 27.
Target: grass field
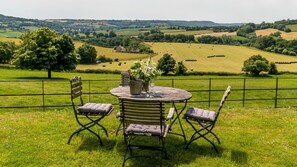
x: 175, y: 32
x: 250, y: 136
x: 232, y: 62
x: 9, y: 34
x: 293, y: 27
x: 285, y: 35
x: 217, y: 34
x: 16, y: 40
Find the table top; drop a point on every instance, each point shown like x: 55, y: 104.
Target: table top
x: 159, y: 93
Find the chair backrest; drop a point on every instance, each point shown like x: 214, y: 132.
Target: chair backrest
x: 227, y: 92
x: 125, y: 78
x: 76, y: 88
x: 142, y: 112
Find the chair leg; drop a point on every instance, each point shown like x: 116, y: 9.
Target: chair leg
x: 216, y: 137
x: 97, y: 123
x: 87, y: 127
x: 204, y: 128
x: 118, y: 129
x: 75, y: 132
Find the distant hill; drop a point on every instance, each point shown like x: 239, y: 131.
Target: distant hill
x: 63, y: 25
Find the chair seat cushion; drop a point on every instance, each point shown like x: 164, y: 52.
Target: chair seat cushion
x: 95, y: 108
x: 147, y: 130
x: 200, y: 114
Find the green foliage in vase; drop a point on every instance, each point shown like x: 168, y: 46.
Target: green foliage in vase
x: 145, y: 71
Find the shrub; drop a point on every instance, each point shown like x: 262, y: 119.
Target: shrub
x: 255, y: 65
x: 180, y: 69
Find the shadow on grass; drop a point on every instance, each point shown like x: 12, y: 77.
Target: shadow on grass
x: 175, y: 147
x: 176, y: 151
x: 93, y: 144
x: 239, y: 157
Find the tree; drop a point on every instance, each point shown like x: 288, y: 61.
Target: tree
x: 255, y: 65
x: 6, y: 51
x: 87, y: 54
x: 180, y: 69
x: 272, y: 68
x: 45, y: 49
x: 166, y: 64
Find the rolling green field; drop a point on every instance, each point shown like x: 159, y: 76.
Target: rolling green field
x: 232, y: 62
x: 250, y: 136
x: 175, y: 32
x: 9, y: 34
x: 293, y: 27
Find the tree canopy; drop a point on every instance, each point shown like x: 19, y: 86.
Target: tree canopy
x: 87, y: 54
x: 44, y: 49
x: 6, y: 51
x: 166, y: 64
x: 255, y: 65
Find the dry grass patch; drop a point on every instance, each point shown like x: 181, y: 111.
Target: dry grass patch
x: 217, y: 34
x: 285, y: 35
x: 16, y: 40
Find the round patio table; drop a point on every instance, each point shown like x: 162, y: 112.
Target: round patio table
x: 159, y: 93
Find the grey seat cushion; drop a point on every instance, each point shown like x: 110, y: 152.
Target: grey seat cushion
x: 147, y: 130
x: 95, y: 108
x: 200, y: 114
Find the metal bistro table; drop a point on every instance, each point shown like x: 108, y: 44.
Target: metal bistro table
x: 164, y: 94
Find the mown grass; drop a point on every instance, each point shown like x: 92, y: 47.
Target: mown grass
x: 256, y: 135
x: 293, y: 27
x: 175, y: 32
x: 217, y: 34
x: 100, y: 84
x: 4, y: 39
x: 249, y: 137
x: 232, y: 62
x: 285, y: 35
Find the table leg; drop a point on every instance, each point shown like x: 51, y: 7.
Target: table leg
x: 178, y: 118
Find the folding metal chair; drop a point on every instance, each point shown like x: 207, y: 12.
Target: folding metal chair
x: 144, y: 119
x: 89, y: 114
x: 206, y: 119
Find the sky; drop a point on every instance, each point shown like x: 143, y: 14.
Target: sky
x: 219, y: 11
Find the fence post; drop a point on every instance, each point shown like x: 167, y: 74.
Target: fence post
x: 243, y: 93
x: 276, y: 90
x: 89, y: 90
x: 172, y: 82
x: 42, y: 83
x: 209, y: 91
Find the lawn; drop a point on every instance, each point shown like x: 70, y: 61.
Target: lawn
x: 249, y: 137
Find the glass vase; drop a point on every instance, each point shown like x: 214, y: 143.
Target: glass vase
x: 146, y: 85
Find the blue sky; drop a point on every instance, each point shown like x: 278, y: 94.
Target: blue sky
x: 220, y: 11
